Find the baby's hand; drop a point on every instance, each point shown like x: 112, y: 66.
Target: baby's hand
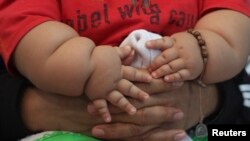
x: 123, y: 88
x: 118, y: 98
x: 180, y: 62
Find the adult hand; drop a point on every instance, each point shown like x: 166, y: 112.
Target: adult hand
x: 155, y: 120
x: 43, y: 111
x: 145, y: 125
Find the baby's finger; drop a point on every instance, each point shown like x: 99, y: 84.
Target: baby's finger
x: 134, y: 74
x: 129, y: 59
x: 123, y: 51
x: 161, y: 44
x: 118, y: 99
x: 181, y: 75
x: 129, y: 89
x: 169, y: 68
x: 164, y: 58
x: 102, y: 108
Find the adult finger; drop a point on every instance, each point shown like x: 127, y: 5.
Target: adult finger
x: 165, y: 135
x: 119, y: 130
x: 151, y: 116
x: 159, y: 134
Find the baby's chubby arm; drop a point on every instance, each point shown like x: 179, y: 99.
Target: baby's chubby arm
x: 56, y: 59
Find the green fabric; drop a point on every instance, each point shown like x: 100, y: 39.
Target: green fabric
x: 65, y: 136
x: 200, y: 138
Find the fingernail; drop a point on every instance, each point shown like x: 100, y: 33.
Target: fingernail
x: 98, y: 132
x: 166, y: 78
x: 145, y: 96
x: 107, y: 119
x: 154, y: 75
x: 132, y: 111
x: 180, y: 136
x: 178, y: 116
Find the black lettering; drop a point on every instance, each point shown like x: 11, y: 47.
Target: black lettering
x: 181, y: 20
x: 172, y: 17
x: 106, y: 14
x: 137, y: 9
x: 146, y: 11
x: 126, y: 11
x: 155, y: 10
x: 193, y: 20
x: 81, y: 22
x: 95, y: 19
